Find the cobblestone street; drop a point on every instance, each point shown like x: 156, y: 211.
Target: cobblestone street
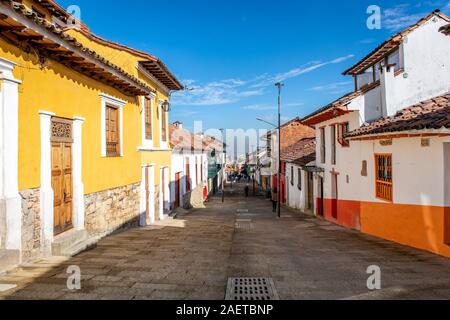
x: 193, y: 256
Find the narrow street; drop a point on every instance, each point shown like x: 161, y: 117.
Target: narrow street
x: 193, y: 256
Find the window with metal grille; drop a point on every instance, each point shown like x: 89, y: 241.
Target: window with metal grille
x: 148, y: 119
x: 322, y: 145
x: 188, y: 176
x: 299, y: 179
x: 292, y: 176
x: 383, y: 175
x: 112, y: 131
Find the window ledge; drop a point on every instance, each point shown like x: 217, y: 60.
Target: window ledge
x: 150, y: 149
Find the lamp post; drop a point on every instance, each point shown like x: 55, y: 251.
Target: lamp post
x: 279, y: 85
x: 224, y: 164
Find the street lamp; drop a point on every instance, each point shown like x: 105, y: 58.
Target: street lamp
x: 279, y: 85
x: 224, y: 164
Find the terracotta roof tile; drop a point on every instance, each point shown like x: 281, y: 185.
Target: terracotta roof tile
x: 133, y: 84
x: 430, y: 114
x: 182, y: 140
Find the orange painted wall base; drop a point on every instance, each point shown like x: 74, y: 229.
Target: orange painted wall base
x: 348, y: 213
x: 422, y: 227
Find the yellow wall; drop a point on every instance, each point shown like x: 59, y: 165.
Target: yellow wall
x: 128, y: 62
x: 69, y: 94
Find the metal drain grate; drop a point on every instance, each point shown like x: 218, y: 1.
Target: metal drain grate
x: 251, y: 289
x: 244, y: 224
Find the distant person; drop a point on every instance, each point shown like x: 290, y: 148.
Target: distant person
x: 268, y: 192
x: 275, y: 199
x: 247, y: 191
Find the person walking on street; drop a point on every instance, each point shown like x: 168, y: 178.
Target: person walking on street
x: 275, y: 199
x: 246, y: 190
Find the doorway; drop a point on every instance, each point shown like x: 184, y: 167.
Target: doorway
x: 447, y: 193
x: 62, y: 180
x: 334, y: 196
x: 310, y: 190
x: 320, y: 200
x: 177, y: 190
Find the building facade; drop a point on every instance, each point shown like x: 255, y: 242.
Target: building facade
x: 197, y: 167
x: 84, y: 142
x: 383, y: 149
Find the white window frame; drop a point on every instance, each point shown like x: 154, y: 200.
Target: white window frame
x: 119, y: 104
x: 147, y: 143
x: 162, y: 144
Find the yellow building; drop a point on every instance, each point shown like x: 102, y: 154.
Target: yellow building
x: 84, y: 133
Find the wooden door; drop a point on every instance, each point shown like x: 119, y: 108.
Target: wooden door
x: 177, y: 189
x: 320, y: 200
x: 310, y: 191
x: 62, y: 186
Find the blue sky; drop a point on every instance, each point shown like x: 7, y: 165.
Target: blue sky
x: 232, y: 52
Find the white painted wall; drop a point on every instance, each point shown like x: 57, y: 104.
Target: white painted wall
x: 179, y: 161
x: 424, y: 56
x: 295, y: 196
x: 417, y: 171
x: 10, y: 201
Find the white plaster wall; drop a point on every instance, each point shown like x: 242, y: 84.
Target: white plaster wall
x: 177, y: 166
x: 418, y: 172
x: 348, y: 161
x: 426, y: 74
x: 296, y: 197
x: 427, y: 64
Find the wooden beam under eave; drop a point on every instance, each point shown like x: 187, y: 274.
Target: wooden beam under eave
x: 12, y: 28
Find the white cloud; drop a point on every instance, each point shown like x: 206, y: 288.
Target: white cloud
x: 400, y: 16
x: 230, y: 91
x: 266, y: 80
x: 295, y: 104
x: 334, y: 88
x: 259, y: 107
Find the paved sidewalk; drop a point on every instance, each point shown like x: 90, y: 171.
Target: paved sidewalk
x: 193, y: 256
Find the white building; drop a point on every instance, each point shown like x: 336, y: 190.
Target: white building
x: 389, y: 177
x: 300, y: 163
x: 191, y: 159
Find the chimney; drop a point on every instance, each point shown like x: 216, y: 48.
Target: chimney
x: 178, y: 124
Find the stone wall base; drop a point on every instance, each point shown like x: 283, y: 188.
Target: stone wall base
x: 31, y: 224
x: 194, y: 199
x: 111, y: 210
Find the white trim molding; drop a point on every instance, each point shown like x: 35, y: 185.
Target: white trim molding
x: 78, y: 186
x: 46, y: 192
x: 146, y: 220
x: 114, y: 102
x: 10, y: 200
